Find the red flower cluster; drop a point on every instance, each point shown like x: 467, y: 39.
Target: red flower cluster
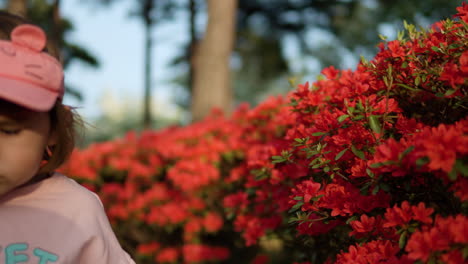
x: 445, y: 241
x: 377, y: 251
x: 199, y: 253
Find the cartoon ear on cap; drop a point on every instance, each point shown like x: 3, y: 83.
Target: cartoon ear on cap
x: 29, y: 36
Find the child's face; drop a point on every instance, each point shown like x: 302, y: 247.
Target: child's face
x: 24, y: 136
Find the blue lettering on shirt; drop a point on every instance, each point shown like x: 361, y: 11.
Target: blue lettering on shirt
x: 12, y: 256
x: 16, y: 253
x: 44, y: 256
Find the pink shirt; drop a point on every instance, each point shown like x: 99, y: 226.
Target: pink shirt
x: 56, y: 221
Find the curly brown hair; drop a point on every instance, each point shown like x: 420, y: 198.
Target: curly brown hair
x: 64, y: 119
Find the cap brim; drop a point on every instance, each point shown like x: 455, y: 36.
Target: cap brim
x: 27, y: 95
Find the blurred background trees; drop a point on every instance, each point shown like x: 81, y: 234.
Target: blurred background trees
x: 272, y: 40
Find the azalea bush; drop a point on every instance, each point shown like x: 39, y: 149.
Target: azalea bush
x: 363, y: 166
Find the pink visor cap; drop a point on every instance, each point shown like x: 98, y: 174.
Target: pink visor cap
x: 29, y: 77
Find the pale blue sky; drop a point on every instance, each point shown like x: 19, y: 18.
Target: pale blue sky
x: 117, y: 41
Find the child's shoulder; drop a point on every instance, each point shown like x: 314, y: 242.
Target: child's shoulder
x: 72, y: 200
x: 74, y: 193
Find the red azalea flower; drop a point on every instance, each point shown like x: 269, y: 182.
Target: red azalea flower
x: 463, y: 12
x: 167, y: 255
x: 200, y: 253
x: 148, y: 249
x: 212, y: 222
x: 376, y: 251
x: 397, y: 51
x: 237, y: 200
x: 363, y: 226
x: 421, y: 244
x: 251, y: 227
x: 422, y: 214
x: 453, y: 257
x: 452, y: 75
x: 398, y: 216
x: 307, y: 189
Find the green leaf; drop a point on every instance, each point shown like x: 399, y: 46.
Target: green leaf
x: 424, y: 78
x: 315, y: 161
x: 339, y: 155
x: 402, y: 240
x: 311, y: 153
x: 422, y: 161
x: 406, y: 152
x: 298, y: 198
x: 316, y: 166
x: 365, y: 189
x: 452, y: 174
x: 390, y: 70
x: 293, y: 102
x: 260, y: 174
x: 376, y: 165
x: 351, y: 219
x: 358, y: 117
x: 299, y: 140
x: 449, y: 92
x: 407, y: 87
x: 278, y: 159
x: 359, y: 105
x: 316, y: 198
x: 461, y: 167
x: 400, y: 35
x: 385, y: 80
x: 358, y: 153
x: 417, y: 81
x: 295, y: 207
x: 375, y: 190
x: 374, y: 123
x: 317, y: 134
x: 454, y: 46
x: 342, y: 118
x: 292, y: 220
x: 465, y: 252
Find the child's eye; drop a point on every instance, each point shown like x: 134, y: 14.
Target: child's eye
x: 8, y: 131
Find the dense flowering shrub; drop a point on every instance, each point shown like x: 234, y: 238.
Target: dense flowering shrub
x: 364, y: 166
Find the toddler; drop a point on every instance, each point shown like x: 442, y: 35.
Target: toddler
x: 45, y: 217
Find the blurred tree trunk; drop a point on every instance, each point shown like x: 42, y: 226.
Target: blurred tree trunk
x: 56, y: 30
x: 147, y: 9
x: 18, y: 7
x: 193, y: 40
x: 212, y: 77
